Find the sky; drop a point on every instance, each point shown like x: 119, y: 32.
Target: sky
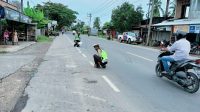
x: 98, y: 8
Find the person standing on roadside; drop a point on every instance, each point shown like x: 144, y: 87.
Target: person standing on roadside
x: 15, y: 38
x: 6, y: 36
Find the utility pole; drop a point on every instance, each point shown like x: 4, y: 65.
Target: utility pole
x: 150, y: 22
x: 28, y: 4
x: 90, y: 16
x: 22, y: 5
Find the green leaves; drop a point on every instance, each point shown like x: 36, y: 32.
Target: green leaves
x: 97, y: 23
x: 37, y: 16
x: 124, y: 17
x: 107, y: 25
x: 158, y: 8
x: 59, y: 12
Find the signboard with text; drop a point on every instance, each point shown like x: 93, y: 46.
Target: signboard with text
x: 184, y: 28
x: 194, y: 29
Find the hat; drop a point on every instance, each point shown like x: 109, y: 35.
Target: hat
x: 96, y: 45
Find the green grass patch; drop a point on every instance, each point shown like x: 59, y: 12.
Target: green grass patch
x: 42, y: 38
x: 102, y: 36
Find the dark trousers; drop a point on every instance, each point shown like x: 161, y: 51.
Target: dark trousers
x: 98, y: 61
x: 76, y: 43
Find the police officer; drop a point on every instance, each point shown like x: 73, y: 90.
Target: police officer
x: 101, y: 58
x: 77, y: 39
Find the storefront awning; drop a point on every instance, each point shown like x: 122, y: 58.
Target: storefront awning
x: 14, y: 15
x: 179, y: 22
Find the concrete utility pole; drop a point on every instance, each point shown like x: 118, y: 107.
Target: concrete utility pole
x: 90, y: 16
x: 150, y: 22
x: 22, y: 5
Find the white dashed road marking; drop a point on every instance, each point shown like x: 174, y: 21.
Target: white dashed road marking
x: 91, y: 63
x: 84, y: 55
x: 78, y: 50
x: 111, y: 84
x: 139, y: 56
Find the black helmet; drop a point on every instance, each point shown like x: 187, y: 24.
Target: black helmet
x: 96, y: 46
x: 180, y: 34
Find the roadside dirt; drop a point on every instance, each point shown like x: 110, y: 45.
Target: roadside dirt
x: 12, y: 87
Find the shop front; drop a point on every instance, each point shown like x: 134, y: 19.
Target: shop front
x: 16, y: 21
x: 191, y: 27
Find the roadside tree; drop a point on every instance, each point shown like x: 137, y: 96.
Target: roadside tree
x: 124, y: 17
x: 59, y: 12
x: 97, y: 23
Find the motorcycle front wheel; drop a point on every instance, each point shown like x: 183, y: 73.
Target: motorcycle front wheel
x: 158, y: 70
x: 192, y: 85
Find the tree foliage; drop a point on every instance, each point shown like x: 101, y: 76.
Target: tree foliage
x: 37, y: 16
x: 80, y: 26
x: 97, y: 23
x: 59, y: 12
x: 108, y: 25
x: 158, y: 10
x: 124, y: 17
x: 172, y: 8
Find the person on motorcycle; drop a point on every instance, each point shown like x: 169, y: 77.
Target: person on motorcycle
x: 181, y: 49
x: 77, y: 39
x: 100, y: 58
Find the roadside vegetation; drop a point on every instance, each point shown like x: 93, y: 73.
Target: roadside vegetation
x: 42, y: 38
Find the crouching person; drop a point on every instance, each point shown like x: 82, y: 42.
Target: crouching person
x: 100, y: 59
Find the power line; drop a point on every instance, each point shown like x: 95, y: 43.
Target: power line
x: 105, y: 6
x: 108, y: 8
x: 101, y: 5
x: 105, y: 14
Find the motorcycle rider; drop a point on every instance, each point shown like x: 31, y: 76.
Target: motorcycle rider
x: 100, y: 58
x: 181, y: 49
x: 77, y: 39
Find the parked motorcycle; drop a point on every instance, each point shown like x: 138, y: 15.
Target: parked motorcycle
x: 185, y: 73
x: 195, y: 48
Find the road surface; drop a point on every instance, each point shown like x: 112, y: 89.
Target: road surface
x: 67, y: 82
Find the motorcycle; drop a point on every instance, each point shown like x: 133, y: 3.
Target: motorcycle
x: 185, y: 73
x: 195, y: 48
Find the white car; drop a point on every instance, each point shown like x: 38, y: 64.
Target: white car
x: 130, y: 37
x: 120, y: 38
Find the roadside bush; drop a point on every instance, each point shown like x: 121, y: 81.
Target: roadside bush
x: 43, y: 38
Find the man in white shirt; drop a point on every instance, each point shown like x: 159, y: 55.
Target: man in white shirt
x: 181, y: 48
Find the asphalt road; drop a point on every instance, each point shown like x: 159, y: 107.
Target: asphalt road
x: 128, y: 84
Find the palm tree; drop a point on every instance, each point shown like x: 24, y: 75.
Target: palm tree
x: 158, y: 10
x: 172, y: 9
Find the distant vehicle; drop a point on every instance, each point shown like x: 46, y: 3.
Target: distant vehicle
x: 130, y: 37
x: 139, y: 39
x: 93, y: 32
x: 123, y: 37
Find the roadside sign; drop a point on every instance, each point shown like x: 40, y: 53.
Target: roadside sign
x: 194, y: 29
x: 184, y: 28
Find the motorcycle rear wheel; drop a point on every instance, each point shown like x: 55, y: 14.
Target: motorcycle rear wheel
x: 194, y: 86
x: 158, y: 71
